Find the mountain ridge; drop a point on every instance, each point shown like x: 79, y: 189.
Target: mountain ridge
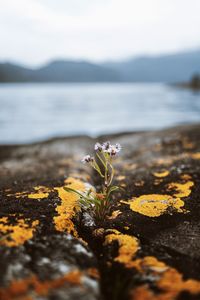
x: 168, y: 68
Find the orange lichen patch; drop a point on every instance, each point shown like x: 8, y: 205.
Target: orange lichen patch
x: 196, y: 155
x: 93, y: 273
x: 69, y: 206
x: 182, y: 189
x: 114, y: 214
x: 17, y: 234
x: 142, y: 292
x: 42, y: 192
x: 168, y: 280
x: 21, y: 288
x: 128, y: 246
x: 154, y: 205
x: 161, y: 174
x: 149, y: 263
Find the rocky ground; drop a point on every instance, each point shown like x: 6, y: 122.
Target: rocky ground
x: 147, y: 248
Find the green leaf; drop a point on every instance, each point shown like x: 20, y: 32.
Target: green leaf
x: 112, y: 189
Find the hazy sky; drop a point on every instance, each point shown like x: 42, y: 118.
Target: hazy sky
x: 35, y: 31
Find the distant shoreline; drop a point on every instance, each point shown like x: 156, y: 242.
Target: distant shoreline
x: 79, y: 137
x: 187, y: 85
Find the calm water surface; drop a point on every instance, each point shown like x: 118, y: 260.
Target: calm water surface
x: 33, y: 112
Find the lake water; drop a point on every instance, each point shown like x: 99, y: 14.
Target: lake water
x: 33, y: 112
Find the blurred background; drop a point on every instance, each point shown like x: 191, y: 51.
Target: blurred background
x: 94, y: 67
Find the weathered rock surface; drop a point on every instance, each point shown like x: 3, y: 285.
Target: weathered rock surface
x: 147, y: 248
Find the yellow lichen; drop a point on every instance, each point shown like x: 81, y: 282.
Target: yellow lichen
x: 167, y: 279
x: 17, y: 234
x: 183, y: 189
x: 42, y: 192
x: 161, y: 174
x: 114, y: 214
x: 154, y: 205
x: 68, y: 207
x: 128, y: 246
x: 38, y: 195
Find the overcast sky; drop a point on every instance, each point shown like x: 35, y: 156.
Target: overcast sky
x: 35, y: 31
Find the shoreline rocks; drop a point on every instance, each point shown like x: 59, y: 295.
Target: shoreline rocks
x: 147, y: 248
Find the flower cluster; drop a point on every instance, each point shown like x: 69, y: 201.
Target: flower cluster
x: 87, y: 159
x: 102, y: 163
x: 108, y: 148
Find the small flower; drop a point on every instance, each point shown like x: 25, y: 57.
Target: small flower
x: 106, y: 146
x: 118, y: 147
x: 98, y: 147
x: 87, y: 159
x: 112, y: 149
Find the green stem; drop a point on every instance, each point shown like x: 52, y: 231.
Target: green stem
x: 112, y: 174
x: 101, y: 160
x: 96, y: 167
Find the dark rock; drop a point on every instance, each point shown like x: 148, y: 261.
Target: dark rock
x: 147, y: 248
